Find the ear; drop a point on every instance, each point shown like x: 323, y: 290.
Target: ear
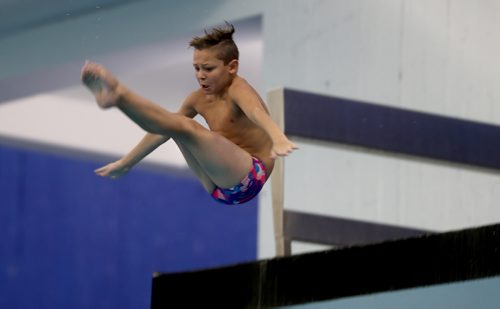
x: 233, y: 66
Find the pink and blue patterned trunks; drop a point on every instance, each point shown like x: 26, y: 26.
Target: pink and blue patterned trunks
x: 247, y: 189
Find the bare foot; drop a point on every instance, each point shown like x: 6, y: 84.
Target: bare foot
x: 101, y: 83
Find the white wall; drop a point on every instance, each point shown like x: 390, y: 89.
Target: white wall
x: 437, y: 56
x: 434, y: 55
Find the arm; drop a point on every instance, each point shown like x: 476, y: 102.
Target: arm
x: 120, y: 167
x: 253, y: 107
x: 147, y: 145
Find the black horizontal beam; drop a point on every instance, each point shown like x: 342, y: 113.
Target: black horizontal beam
x: 394, y: 265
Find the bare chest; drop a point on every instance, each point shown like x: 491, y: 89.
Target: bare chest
x: 222, y: 116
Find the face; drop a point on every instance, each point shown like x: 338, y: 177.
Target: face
x: 211, y: 73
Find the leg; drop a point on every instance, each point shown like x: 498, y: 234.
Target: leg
x: 193, y: 164
x: 214, y: 159
x: 109, y: 93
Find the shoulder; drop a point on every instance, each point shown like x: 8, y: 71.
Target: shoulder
x: 241, y: 90
x: 239, y: 85
x: 195, y: 96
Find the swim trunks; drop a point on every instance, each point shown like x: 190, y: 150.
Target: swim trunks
x: 247, y: 189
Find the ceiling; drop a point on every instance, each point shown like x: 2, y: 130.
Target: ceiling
x: 20, y: 15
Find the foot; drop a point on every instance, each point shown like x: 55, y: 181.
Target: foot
x: 101, y: 83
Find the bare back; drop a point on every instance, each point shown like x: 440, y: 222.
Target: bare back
x: 224, y: 116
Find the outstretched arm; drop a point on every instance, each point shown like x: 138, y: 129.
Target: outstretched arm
x: 120, y: 167
x: 252, y: 105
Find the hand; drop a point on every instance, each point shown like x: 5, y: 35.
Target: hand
x: 112, y: 170
x: 282, y: 148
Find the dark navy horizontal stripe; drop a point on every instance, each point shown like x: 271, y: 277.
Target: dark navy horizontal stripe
x: 391, y: 129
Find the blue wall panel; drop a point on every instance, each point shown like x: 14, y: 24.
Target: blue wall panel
x: 70, y: 239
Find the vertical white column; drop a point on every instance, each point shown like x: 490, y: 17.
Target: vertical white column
x: 276, y: 108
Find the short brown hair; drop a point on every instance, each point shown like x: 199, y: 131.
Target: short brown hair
x: 220, y: 38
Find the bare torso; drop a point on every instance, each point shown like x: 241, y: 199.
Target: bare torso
x: 224, y: 117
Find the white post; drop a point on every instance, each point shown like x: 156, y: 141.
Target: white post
x: 276, y: 108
